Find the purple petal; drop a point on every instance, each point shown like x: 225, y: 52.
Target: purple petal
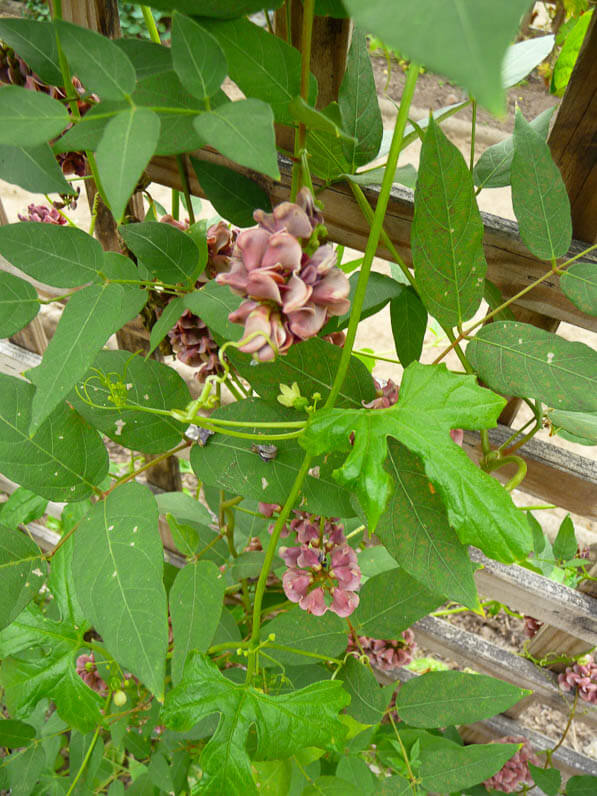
x: 314, y: 602
x: 284, y: 250
x: 252, y: 244
x: 296, y: 294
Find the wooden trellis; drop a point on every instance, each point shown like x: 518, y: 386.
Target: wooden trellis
x: 567, y: 479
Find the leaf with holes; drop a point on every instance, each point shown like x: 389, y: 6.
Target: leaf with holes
x: 63, y: 461
x: 416, y: 531
x: 123, y: 593
x: 19, y: 303
x: 56, y: 255
x: 244, y: 132
x: 285, y: 723
x: 579, y: 284
x: 539, y: 197
x: 148, y: 384
x: 195, y: 607
x: 432, y: 401
x: 99, y: 64
x: 29, y: 118
x: 359, y: 107
x: 128, y: 143
x: 466, y: 42
x: 519, y: 359
x: 197, y: 57
x: 447, y: 233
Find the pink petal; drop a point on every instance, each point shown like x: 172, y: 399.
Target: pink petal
x: 314, y: 602
x: 307, y: 322
x: 296, y: 294
x: 457, y: 435
x: 333, y: 292
x: 324, y: 258
x: 347, y: 578
x: 295, y: 584
x: 308, y: 558
x: 344, y: 602
x: 253, y: 244
x: 284, y: 250
x: 261, y: 286
x: 343, y: 556
x: 289, y: 555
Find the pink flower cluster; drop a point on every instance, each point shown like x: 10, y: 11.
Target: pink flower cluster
x: 323, y: 564
x: 386, y: 654
x: 581, y: 677
x: 516, y: 771
x: 531, y: 626
x: 45, y: 215
x: 87, y: 670
x: 288, y: 293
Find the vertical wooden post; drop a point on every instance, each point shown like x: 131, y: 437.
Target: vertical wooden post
x: 102, y: 16
x: 573, y: 144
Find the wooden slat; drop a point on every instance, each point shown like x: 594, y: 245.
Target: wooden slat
x: 483, y: 656
x: 554, y: 475
x: 510, y: 265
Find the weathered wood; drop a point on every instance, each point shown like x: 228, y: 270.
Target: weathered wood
x: 510, y: 265
x: 483, y: 656
x: 573, y: 139
x: 555, y: 475
x: 100, y: 15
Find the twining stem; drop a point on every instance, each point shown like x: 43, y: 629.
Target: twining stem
x: 375, y: 233
x: 186, y: 189
x: 473, y: 131
x: 301, y: 134
x: 147, y: 466
x: 150, y: 25
x: 316, y: 655
x: 555, y: 269
x: 89, y: 751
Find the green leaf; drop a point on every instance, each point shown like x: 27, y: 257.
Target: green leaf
x: 127, y: 145
x: 183, y: 507
x: 148, y: 384
x: 196, y: 600
x: 22, y: 506
x: 331, y: 786
x: 164, y: 91
x: 522, y: 57
x: 579, y: 283
x: 354, y: 770
x: 547, y: 779
x: 61, y: 581
x: 45, y: 669
x: 361, y: 117
x: 29, y: 118
x: 580, y: 424
x: 519, y: 359
x: 325, y: 635
x: 262, y: 65
x: 447, y: 232
x: 381, y: 289
x: 581, y: 786
x: 24, y: 770
x: 213, y: 304
x: 84, y: 327
x: 416, y: 531
x: 123, y: 594
x: 564, y: 546
x: 367, y: 700
x: 160, y: 774
x: 186, y: 538
x: 60, y: 256
x: 35, y: 42
x: 101, y: 66
x: 220, y: 9
x: 390, y: 603
x: 88, y: 133
x: 432, y: 401
x: 33, y: 168
x: 197, y: 57
x: 233, y: 195
x: 244, y: 132
x: 315, y: 120
x: 451, y: 769
x: 408, y: 317
x: 285, y: 723
x: 493, y: 167
x: 273, y: 777
x: 63, y: 461
x: 247, y: 565
x: 404, y: 175
x: 539, y: 197
x: 232, y: 464
x: 116, y: 266
x: 13, y: 733
x: 569, y: 53
x: 168, y: 252
x: 23, y: 573
x: 312, y: 364
x: 169, y: 317
x: 19, y: 305
x: 326, y: 152
x: 465, y: 42
x: 148, y: 57
x: 437, y: 699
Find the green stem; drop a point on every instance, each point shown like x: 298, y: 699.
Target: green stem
x: 503, y: 460
x: 458, y: 351
x: 184, y: 178
x: 269, y: 557
x: 88, y: 753
x: 301, y: 133
x: 175, y: 204
x: 150, y: 24
x: 375, y: 232
x: 473, y: 131
x: 296, y: 651
x: 228, y: 645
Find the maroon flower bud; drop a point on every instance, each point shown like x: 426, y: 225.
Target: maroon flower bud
x: 193, y: 344
x: 387, y: 394
x: 531, y: 626
x: 87, y: 671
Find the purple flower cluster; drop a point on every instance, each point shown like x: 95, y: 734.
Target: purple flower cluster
x: 45, y: 215
x: 516, y: 771
x: 322, y: 564
x: 87, y: 670
x: 581, y: 677
x: 288, y: 293
x: 386, y: 654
